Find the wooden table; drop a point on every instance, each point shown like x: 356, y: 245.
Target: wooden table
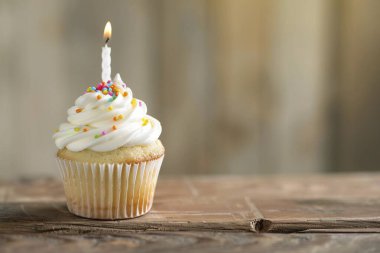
x: 338, y: 212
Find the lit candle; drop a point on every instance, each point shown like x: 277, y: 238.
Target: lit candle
x: 106, y: 54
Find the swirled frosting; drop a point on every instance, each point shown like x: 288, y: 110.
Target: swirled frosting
x: 105, y: 118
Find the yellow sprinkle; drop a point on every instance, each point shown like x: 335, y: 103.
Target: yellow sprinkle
x: 77, y: 129
x: 121, y: 116
x: 134, y: 102
x: 110, y: 108
x: 145, y: 121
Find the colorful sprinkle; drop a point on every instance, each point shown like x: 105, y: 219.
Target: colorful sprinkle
x: 85, y: 129
x: 140, y: 103
x: 125, y: 94
x: 96, y: 136
x: 98, y: 97
x: 77, y: 129
x: 134, y: 102
x: 110, y: 108
x: 145, y: 121
x: 114, y: 127
x: 121, y: 116
x: 104, y: 132
x: 78, y: 110
x: 108, y: 88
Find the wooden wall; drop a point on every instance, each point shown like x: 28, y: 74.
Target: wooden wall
x: 243, y: 86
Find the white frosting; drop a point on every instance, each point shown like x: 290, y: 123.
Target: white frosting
x: 95, y: 128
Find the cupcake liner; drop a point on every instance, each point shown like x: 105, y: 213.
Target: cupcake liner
x: 109, y: 191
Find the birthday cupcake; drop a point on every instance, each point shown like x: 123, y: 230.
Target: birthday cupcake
x: 109, y: 153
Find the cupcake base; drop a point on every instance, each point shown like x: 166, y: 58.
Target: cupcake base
x: 109, y: 191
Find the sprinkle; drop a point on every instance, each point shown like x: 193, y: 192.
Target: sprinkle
x: 77, y: 129
x: 134, y: 102
x: 56, y: 130
x: 85, y: 129
x: 118, y: 117
x: 105, y: 92
x: 108, y: 81
x: 125, y: 94
x: 145, y: 121
x: 110, y: 108
x: 140, y: 103
x: 98, y: 97
x: 114, y: 127
x: 78, y: 110
x: 96, y: 136
x: 104, y: 132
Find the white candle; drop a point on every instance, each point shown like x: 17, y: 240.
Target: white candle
x: 106, y: 54
x: 106, y: 63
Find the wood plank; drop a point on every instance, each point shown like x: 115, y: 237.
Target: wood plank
x: 216, y: 203
x: 151, y: 241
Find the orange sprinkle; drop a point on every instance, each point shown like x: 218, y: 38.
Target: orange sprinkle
x: 117, y: 93
x: 114, y: 127
x: 85, y: 129
x: 115, y: 118
x: 125, y: 94
x: 78, y: 110
x: 98, y: 97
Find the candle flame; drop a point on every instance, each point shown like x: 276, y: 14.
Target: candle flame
x: 107, y: 31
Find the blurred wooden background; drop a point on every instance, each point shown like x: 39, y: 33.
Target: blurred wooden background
x: 240, y: 86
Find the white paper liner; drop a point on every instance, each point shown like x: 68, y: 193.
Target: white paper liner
x: 109, y: 191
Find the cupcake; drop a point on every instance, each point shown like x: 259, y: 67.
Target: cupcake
x: 109, y: 153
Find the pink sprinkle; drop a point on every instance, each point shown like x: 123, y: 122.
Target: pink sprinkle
x: 104, y: 133
x: 140, y: 104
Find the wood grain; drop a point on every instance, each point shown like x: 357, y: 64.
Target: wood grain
x: 154, y: 241
x: 220, y: 203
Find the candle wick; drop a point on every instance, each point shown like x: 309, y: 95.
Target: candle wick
x: 107, y: 40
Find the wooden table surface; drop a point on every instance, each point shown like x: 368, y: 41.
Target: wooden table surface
x: 337, y: 212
